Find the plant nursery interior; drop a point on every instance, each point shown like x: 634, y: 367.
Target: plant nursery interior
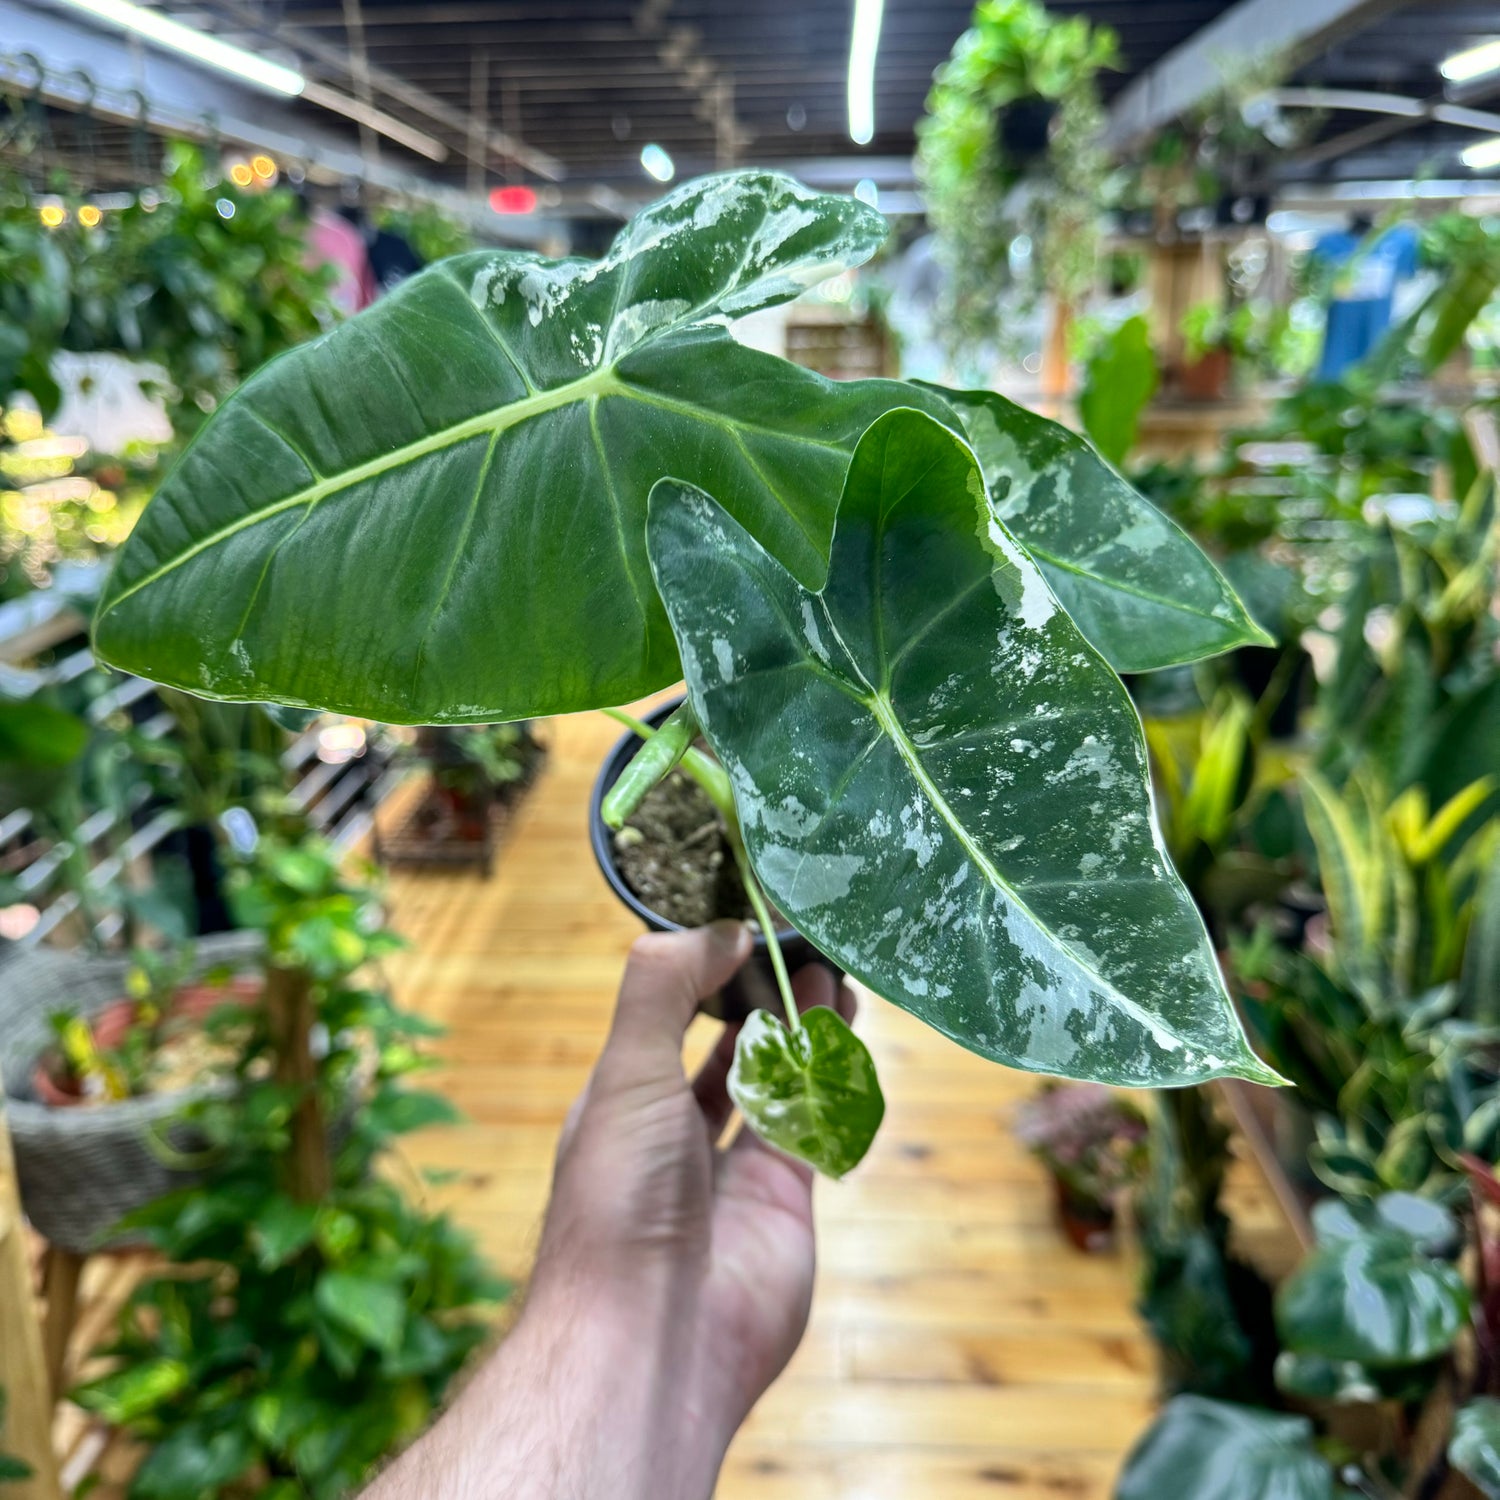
x: 750, y: 750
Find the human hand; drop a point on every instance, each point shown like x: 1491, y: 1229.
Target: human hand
x: 674, y: 1278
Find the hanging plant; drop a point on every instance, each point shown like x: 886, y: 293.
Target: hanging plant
x: 1016, y: 102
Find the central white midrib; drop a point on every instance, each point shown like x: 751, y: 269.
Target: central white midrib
x: 598, y: 382
x: 885, y: 715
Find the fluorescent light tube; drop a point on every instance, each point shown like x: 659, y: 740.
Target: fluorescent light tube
x: 1482, y: 154
x: 1473, y: 63
x: 191, y: 42
x: 864, y: 44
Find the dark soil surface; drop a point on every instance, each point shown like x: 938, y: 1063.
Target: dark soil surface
x: 673, y: 854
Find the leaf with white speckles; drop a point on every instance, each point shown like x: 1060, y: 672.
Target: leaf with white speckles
x: 436, y: 512
x: 939, y: 781
x: 1135, y: 583
x: 811, y: 1093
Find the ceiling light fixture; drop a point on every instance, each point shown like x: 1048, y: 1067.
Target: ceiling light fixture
x: 657, y: 163
x: 864, y: 44
x: 1482, y: 154
x: 191, y: 42
x: 1474, y: 62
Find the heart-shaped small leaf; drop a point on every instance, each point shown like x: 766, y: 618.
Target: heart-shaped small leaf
x: 1475, y: 1448
x: 1135, y: 583
x: 1376, y: 1299
x: 811, y: 1093
x: 939, y: 781
x: 1211, y: 1450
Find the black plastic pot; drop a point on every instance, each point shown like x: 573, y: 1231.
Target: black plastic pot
x: 754, y: 987
x: 1026, y: 128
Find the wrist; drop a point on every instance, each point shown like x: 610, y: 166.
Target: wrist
x: 602, y: 1396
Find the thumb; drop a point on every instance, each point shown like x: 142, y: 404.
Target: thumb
x: 666, y: 975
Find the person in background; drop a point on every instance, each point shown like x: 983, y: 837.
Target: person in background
x: 333, y: 241
x: 1367, y: 272
x: 674, y: 1278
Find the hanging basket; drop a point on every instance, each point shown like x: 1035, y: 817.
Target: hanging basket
x: 82, y: 1169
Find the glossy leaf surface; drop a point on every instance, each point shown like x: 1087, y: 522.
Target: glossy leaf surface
x: 813, y: 1093
x: 1211, y: 1450
x: 1427, y: 1225
x: 1135, y: 583
x: 1475, y: 1448
x: 435, y: 513
x: 1376, y: 1298
x: 939, y: 781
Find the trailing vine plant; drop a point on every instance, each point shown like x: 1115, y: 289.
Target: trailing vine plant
x: 899, y: 612
x: 1021, y: 67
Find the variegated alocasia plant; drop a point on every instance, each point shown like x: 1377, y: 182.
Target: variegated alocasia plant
x: 520, y: 487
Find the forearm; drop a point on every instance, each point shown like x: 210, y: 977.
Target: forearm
x: 574, y: 1405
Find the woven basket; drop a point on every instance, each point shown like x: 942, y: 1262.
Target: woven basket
x: 81, y: 1170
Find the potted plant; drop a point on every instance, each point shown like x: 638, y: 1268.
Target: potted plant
x: 85, y: 1159
x: 670, y: 857
x: 310, y: 1315
x: 477, y: 773
x: 1018, y: 99
x: 918, y: 737
x: 151, y: 1040
x: 1370, y: 1325
x: 1093, y: 1142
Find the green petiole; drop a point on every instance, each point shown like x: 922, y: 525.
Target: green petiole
x: 709, y: 775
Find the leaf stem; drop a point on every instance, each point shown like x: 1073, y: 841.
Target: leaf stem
x: 710, y: 775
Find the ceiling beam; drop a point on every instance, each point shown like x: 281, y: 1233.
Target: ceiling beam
x: 257, y: 21
x: 1193, y: 70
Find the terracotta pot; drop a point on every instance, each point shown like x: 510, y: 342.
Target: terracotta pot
x: 1088, y: 1225
x: 1205, y: 378
x: 109, y: 1026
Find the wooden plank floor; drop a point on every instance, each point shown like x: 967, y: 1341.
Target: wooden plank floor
x: 958, y: 1347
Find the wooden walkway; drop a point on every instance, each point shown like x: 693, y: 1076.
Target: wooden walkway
x: 959, y: 1350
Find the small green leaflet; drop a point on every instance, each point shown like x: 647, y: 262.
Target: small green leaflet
x: 812, y: 1093
x: 939, y: 781
x: 1137, y: 585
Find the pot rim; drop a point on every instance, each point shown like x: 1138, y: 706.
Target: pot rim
x: 601, y: 835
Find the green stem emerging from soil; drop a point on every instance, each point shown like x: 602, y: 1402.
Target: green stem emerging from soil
x: 710, y: 776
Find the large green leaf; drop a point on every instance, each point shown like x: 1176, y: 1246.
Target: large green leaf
x: 939, y: 781
x: 436, y: 512
x: 1134, y: 582
x: 1375, y: 1298
x: 1210, y: 1450
x: 1475, y: 1448
x: 812, y: 1093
